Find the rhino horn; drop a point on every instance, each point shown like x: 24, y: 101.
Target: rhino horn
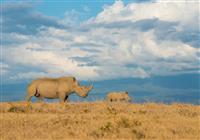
x: 91, y: 86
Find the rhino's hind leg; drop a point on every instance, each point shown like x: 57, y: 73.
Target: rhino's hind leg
x: 31, y: 90
x: 37, y: 94
x: 66, y: 98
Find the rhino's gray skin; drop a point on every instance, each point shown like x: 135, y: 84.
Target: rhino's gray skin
x: 52, y: 88
x: 118, y: 97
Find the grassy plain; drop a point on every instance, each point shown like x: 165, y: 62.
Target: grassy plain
x: 99, y: 120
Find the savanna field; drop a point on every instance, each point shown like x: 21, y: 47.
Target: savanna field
x: 99, y: 120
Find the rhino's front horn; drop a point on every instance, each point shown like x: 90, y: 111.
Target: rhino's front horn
x: 91, y: 86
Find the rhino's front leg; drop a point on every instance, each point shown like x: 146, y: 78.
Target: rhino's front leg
x: 28, y: 97
x: 40, y: 99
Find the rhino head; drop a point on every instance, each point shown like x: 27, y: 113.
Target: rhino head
x: 83, y: 90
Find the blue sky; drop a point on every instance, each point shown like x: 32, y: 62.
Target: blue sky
x: 101, y: 41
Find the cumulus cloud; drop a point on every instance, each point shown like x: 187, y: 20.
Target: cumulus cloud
x: 134, y: 40
x: 185, y: 12
x: 52, y: 61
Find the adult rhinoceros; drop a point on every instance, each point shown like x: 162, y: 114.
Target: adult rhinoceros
x: 52, y: 88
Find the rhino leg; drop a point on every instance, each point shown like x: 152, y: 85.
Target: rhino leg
x: 37, y: 94
x: 40, y: 99
x: 62, y: 97
x: 66, y: 98
x: 28, y: 97
x: 31, y: 91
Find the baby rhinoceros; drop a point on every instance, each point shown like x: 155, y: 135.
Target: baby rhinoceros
x: 118, y: 97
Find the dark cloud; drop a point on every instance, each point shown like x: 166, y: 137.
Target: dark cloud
x: 21, y: 18
x: 85, y: 44
x: 81, y: 59
x: 92, y: 50
x: 87, y: 61
x: 142, y: 25
x: 167, y: 31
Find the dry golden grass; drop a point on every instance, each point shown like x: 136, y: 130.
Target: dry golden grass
x: 99, y: 120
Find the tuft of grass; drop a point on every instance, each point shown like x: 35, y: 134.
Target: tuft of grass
x: 138, y: 134
x: 124, y: 122
x: 71, y: 133
x: 97, y: 134
x: 187, y: 113
x: 137, y: 123
x: 107, y: 127
x: 142, y: 111
x: 103, y: 130
x: 112, y: 110
x: 16, y: 109
x: 86, y: 110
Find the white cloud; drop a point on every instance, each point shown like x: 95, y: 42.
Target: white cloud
x: 185, y: 12
x: 49, y: 61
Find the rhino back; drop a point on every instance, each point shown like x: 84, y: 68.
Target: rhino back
x: 48, y: 88
x: 51, y: 87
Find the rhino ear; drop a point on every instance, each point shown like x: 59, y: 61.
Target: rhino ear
x: 126, y: 92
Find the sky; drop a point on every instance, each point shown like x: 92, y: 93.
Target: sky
x: 102, y: 41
